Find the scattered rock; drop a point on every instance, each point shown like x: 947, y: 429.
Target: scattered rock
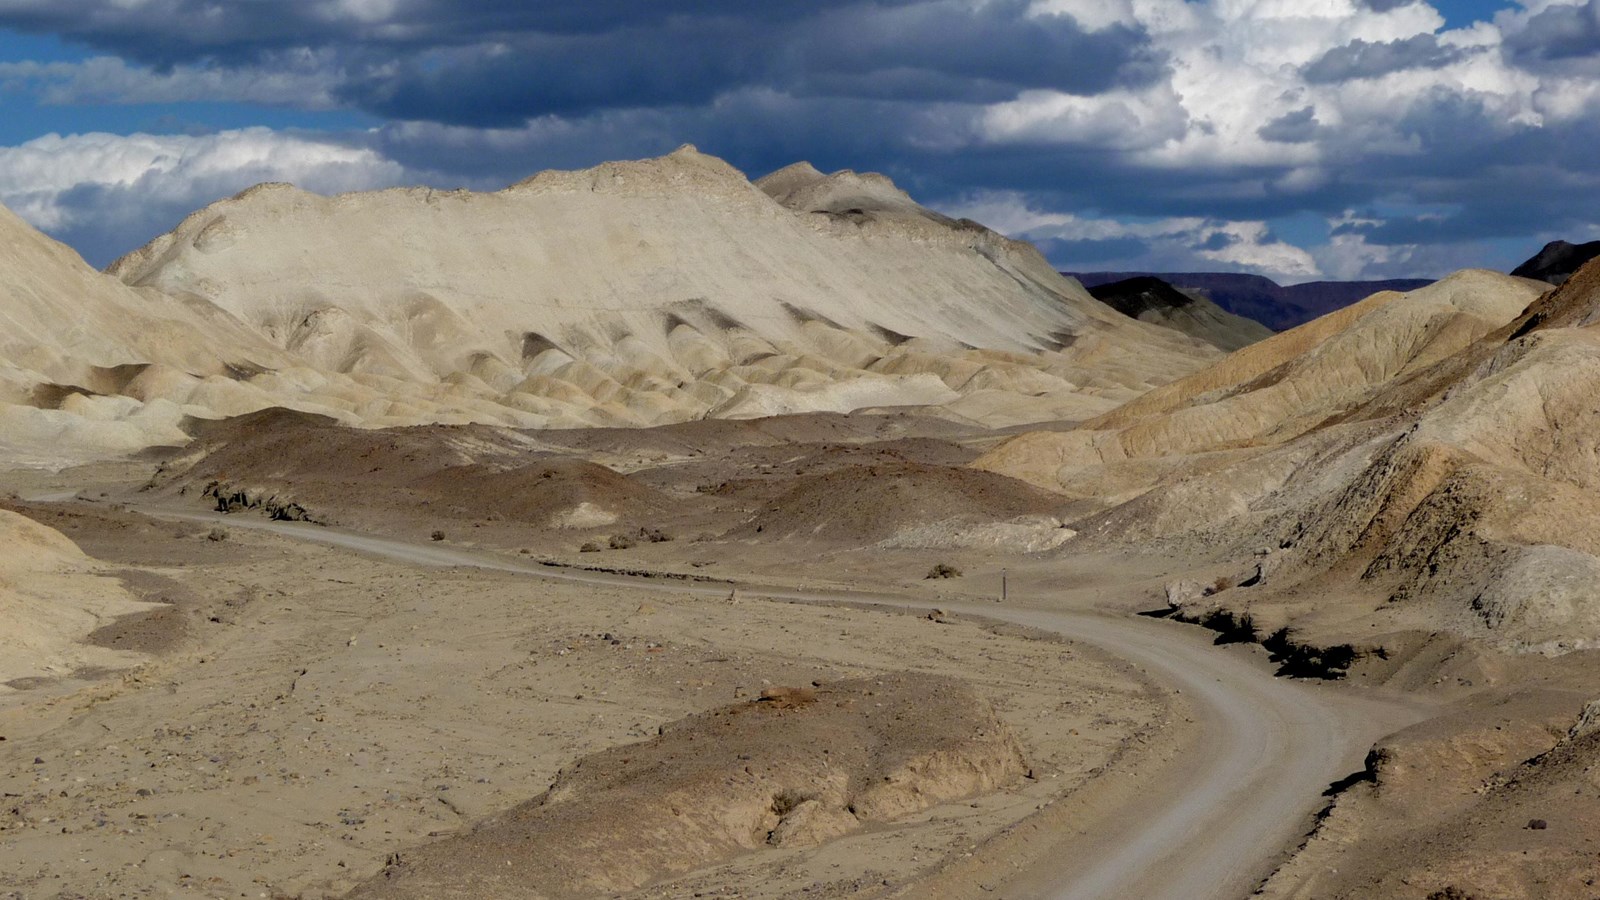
x: 1184, y: 592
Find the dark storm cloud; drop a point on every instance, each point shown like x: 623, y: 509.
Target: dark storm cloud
x: 1384, y: 5
x: 1558, y: 33
x: 928, y: 53
x: 501, y: 64
x: 997, y: 42
x: 1297, y: 127
x: 1363, y: 59
x: 175, y: 31
x: 482, y: 94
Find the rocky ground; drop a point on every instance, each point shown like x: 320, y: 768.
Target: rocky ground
x: 305, y: 718
x: 301, y: 721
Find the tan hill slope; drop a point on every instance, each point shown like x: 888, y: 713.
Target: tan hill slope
x: 793, y: 769
x: 1279, y: 388
x: 51, y: 599
x: 1494, y: 799
x: 1428, y: 459
x: 631, y: 294
x: 80, y: 353
x: 657, y: 291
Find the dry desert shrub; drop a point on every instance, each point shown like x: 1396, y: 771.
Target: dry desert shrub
x: 437, y: 535
x: 943, y: 571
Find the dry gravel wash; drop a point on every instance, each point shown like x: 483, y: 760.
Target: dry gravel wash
x: 1223, y: 812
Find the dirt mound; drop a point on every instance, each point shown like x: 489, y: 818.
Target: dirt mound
x: 1495, y: 799
x: 797, y: 767
x: 705, y: 436
x: 872, y: 502
x: 51, y: 598
x: 557, y: 492
x: 276, y: 458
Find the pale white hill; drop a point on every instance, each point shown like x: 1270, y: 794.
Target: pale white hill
x: 90, y: 366
x: 78, y: 351
x: 649, y: 292
x: 51, y: 598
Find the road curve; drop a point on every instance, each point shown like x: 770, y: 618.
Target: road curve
x: 1243, y: 792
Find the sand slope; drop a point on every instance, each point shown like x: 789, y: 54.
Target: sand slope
x: 1279, y: 388
x: 1433, y: 451
x: 50, y: 600
x: 631, y: 294
x: 657, y: 291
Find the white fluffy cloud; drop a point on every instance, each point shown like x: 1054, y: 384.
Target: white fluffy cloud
x: 1217, y: 117
x: 1238, y: 66
x: 1182, y: 243
x: 109, y: 193
x: 1292, y: 105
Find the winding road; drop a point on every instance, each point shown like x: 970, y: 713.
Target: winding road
x: 1232, y: 802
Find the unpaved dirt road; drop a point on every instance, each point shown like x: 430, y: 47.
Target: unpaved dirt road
x: 1223, y: 811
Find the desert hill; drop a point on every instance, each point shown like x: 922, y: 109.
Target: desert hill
x: 1430, y: 456
x: 86, y: 361
x: 1149, y: 299
x: 292, y: 465
x: 632, y: 294
x: 1280, y: 388
x: 649, y: 292
x: 1557, y: 260
x: 1279, y: 307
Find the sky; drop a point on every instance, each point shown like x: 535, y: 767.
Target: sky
x: 1299, y: 139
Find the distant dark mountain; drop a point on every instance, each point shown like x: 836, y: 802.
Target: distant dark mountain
x: 1262, y: 299
x: 1557, y: 261
x: 1149, y: 299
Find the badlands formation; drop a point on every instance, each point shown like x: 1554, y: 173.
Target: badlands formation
x: 650, y: 531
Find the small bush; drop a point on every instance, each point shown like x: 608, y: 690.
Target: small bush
x: 787, y: 801
x: 654, y: 535
x: 943, y: 571
x: 620, y: 542
x: 438, y: 535
x: 217, y: 534
x: 590, y: 547
x: 1231, y: 628
x: 1305, y: 661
